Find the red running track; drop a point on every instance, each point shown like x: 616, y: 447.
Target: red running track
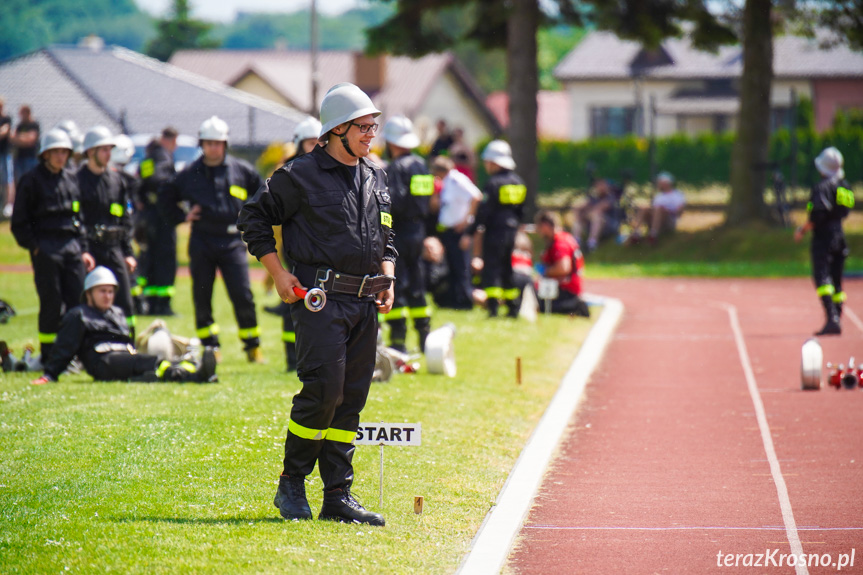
x: 665, y: 465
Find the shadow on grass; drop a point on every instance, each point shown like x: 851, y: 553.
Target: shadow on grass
x: 200, y: 520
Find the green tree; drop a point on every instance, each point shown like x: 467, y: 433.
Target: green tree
x: 179, y: 32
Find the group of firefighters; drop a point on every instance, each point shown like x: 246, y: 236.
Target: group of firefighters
x: 344, y: 223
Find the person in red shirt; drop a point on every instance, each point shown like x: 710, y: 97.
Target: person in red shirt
x: 562, y: 261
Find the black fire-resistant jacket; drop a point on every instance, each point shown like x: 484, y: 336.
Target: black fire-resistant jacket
x: 156, y: 169
x: 411, y: 188
x: 81, y: 330
x: 503, y: 201
x: 46, y: 206
x: 220, y: 191
x: 105, y: 201
x: 828, y: 205
x: 324, y: 223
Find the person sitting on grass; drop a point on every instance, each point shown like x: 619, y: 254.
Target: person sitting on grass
x: 600, y: 217
x: 96, y: 332
x: 662, y: 216
x: 563, y: 262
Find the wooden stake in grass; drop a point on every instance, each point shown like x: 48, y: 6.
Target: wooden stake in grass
x: 518, y: 370
x: 418, y: 504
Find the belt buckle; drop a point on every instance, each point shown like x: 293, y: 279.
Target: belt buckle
x: 362, y: 285
x: 326, y: 278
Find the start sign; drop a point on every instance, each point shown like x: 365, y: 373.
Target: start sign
x: 389, y: 434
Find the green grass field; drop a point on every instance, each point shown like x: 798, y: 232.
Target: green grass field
x: 168, y: 478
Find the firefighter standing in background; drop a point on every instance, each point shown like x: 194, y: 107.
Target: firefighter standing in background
x: 830, y: 202
x: 216, y: 186
x: 500, y: 215
x: 105, y: 201
x: 305, y: 140
x: 46, y: 222
x: 159, y: 259
x: 411, y: 188
x: 333, y: 207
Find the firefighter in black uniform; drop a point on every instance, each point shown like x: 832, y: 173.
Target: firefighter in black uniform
x: 46, y: 222
x: 105, y: 201
x: 411, y: 188
x: 216, y: 186
x: 500, y: 215
x: 333, y: 206
x: 159, y: 260
x: 829, y: 203
x: 97, y: 332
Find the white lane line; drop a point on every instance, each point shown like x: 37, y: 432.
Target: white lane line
x: 767, y: 439
x: 493, y: 541
x: 850, y: 313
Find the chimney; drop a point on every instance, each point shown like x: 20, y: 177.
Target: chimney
x: 370, y: 72
x: 92, y: 42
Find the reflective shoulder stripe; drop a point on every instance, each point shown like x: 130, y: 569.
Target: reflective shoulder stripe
x: 512, y: 194
x: 844, y: 197
x: 305, y: 432
x: 76, y: 206
x: 47, y: 337
x: 808, y: 207
x: 422, y: 185
x: 386, y: 219
x: 827, y: 289
x: 148, y: 168
x: 341, y: 435
x: 289, y: 336
x: 116, y: 210
x: 239, y: 192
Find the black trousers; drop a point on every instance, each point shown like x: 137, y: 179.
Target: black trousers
x: 335, y: 363
x: 111, y: 256
x: 497, y: 274
x: 828, y: 261
x: 123, y: 366
x: 410, y: 285
x: 459, y: 272
x: 208, y: 253
x: 59, y: 276
x: 159, y: 262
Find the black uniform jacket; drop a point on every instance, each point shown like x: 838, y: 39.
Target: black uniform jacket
x: 503, y: 201
x: 81, y: 330
x: 105, y: 201
x: 220, y: 191
x: 411, y: 188
x: 324, y: 222
x: 828, y: 206
x: 156, y: 169
x: 46, y: 206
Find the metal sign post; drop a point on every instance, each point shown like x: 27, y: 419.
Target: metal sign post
x: 547, y: 290
x: 398, y: 434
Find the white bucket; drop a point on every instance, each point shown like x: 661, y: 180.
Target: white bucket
x: 439, y: 351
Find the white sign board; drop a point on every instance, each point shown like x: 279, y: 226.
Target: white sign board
x: 548, y: 288
x: 399, y: 434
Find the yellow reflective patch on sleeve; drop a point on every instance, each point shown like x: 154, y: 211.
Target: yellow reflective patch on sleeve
x: 845, y: 197
x: 386, y: 219
x: 512, y: 194
x: 76, y: 206
x: 148, y: 168
x: 422, y: 185
x: 239, y: 192
x: 116, y: 210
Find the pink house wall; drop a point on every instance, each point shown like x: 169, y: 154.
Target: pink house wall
x: 833, y: 95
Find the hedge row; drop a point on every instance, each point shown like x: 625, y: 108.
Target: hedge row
x: 696, y: 161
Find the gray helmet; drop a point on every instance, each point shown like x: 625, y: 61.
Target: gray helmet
x: 100, y: 276
x: 399, y: 131
x: 344, y: 102
x: 97, y: 136
x: 53, y: 139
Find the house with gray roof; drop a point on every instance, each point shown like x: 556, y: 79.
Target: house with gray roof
x: 132, y: 93
x: 423, y: 89
x: 618, y: 87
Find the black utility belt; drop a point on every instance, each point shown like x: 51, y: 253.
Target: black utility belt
x: 105, y: 235
x: 332, y: 281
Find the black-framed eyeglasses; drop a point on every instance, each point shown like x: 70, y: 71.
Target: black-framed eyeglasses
x: 364, y: 128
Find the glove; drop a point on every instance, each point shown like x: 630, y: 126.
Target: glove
x: 43, y: 380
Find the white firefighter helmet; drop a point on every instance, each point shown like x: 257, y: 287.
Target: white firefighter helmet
x: 97, y: 136
x: 498, y: 152
x: 308, y: 129
x: 342, y: 103
x: 123, y: 150
x: 71, y: 128
x: 829, y: 162
x: 213, y: 128
x: 100, y: 276
x: 399, y: 131
x: 53, y: 139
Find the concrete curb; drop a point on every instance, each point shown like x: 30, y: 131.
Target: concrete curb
x: 492, y: 543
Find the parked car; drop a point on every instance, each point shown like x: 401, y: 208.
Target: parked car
x: 187, y: 151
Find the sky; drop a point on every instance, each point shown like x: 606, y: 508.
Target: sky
x: 225, y: 10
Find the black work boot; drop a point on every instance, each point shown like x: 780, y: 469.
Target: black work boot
x: 832, y: 326
x: 291, y: 498
x: 340, y: 505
